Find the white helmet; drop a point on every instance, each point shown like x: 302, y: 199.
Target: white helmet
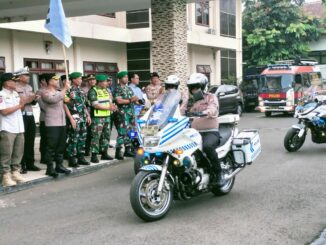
x: 197, y: 80
x: 172, y: 80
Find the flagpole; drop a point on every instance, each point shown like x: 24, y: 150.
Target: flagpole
x: 65, y: 62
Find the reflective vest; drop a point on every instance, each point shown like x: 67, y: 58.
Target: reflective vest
x: 103, y: 97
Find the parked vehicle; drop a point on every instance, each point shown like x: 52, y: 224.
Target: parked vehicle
x: 176, y: 166
x: 250, y: 87
x: 284, y: 83
x: 230, y: 99
x: 311, y: 116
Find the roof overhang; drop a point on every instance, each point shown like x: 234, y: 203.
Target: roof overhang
x: 25, y: 10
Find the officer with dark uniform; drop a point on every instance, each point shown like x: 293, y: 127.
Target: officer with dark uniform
x: 101, y: 108
x: 26, y: 91
x: 76, y: 111
x: 125, y: 99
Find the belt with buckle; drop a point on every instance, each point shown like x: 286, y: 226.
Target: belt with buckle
x: 27, y: 113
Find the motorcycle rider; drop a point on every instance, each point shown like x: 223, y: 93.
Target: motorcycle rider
x: 173, y: 82
x: 202, y: 102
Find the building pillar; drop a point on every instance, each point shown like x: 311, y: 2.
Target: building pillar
x: 169, y: 38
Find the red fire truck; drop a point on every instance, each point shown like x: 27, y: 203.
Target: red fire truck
x: 282, y: 84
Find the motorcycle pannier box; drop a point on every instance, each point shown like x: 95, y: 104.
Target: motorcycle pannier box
x: 246, y: 146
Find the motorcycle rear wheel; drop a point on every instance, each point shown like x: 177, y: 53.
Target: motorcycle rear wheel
x: 227, y: 187
x: 292, y: 142
x: 144, y: 201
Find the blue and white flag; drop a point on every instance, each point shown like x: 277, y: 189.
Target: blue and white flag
x: 56, y: 23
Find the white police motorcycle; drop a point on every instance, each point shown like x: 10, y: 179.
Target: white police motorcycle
x: 311, y: 116
x: 175, y: 165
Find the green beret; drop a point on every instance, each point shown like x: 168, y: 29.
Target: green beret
x: 75, y: 75
x: 121, y: 74
x: 101, y: 77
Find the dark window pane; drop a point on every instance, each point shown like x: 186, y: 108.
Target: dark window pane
x: 232, y: 54
x: 89, y: 67
x: 138, y: 64
x: 47, y: 65
x: 232, y: 23
x: 137, y: 19
x: 224, y: 5
x: 202, y: 13
x: 224, y: 23
x: 138, y: 54
x: 224, y: 53
x: 100, y: 67
x: 232, y: 7
x: 224, y: 68
x: 232, y: 68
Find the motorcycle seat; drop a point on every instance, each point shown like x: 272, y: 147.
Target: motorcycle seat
x: 225, y: 134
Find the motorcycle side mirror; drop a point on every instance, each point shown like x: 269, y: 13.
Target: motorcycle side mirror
x: 172, y: 120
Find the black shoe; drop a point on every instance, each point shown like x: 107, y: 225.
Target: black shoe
x: 50, y: 170
x: 219, y: 180
x: 23, y: 171
x: 129, y: 152
x: 61, y: 169
x: 118, y: 154
x: 106, y: 156
x: 73, y: 162
x: 94, y: 158
x: 33, y: 168
x: 42, y: 161
x: 82, y: 160
x: 111, y: 146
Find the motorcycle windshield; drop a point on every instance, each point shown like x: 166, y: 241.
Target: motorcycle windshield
x: 164, y: 108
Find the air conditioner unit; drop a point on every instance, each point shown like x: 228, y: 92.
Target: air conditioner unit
x: 211, y: 31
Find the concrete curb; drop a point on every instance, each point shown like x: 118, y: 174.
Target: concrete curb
x: 321, y: 240
x: 75, y: 173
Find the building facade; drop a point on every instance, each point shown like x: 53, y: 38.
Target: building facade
x: 109, y: 42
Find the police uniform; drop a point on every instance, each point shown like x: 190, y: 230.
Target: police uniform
x: 11, y: 134
x: 76, y: 103
x: 125, y: 117
x: 25, y: 90
x: 100, y: 128
x: 55, y: 126
x: 42, y: 126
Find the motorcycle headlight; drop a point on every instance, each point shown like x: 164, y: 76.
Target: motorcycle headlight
x: 151, y: 141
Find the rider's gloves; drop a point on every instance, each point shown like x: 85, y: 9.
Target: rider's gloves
x: 141, y: 102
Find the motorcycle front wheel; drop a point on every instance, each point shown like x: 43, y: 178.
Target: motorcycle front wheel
x: 145, y: 201
x: 292, y: 141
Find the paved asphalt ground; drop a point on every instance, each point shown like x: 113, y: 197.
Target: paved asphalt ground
x: 280, y: 199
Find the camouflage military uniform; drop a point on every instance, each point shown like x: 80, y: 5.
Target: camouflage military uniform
x: 125, y: 116
x: 100, y: 129
x: 77, y: 107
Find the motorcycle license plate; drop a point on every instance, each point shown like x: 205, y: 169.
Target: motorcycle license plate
x: 274, y: 96
x: 149, y: 130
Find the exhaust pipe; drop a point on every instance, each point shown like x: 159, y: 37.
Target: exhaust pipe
x: 235, y: 172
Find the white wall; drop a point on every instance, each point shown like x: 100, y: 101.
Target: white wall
x: 318, y: 45
x: 102, y: 51
x: 17, y: 45
x: 5, y: 48
x: 199, y: 55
